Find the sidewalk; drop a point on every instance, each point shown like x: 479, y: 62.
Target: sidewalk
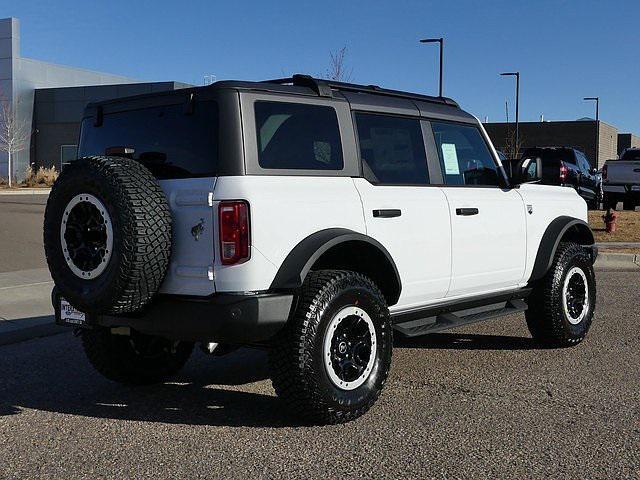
x: 25, y: 306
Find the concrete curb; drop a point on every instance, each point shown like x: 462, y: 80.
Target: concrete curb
x: 12, y: 331
x: 605, y: 245
x: 619, y: 262
x: 25, y: 191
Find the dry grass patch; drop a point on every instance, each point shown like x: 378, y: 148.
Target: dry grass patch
x: 43, y: 177
x: 628, y: 227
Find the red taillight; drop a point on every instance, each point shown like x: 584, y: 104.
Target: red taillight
x: 604, y: 171
x: 233, y: 217
x: 563, y: 172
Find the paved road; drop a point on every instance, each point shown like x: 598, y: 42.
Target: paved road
x: 21, y: 232
x: 482, y: 402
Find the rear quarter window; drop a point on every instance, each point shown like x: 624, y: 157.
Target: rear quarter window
x: 297, y: 136
x: 168, y: 141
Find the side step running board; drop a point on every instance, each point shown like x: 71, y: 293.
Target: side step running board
x: 444, y: 321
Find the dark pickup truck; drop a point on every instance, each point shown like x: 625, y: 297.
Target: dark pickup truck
x: 568, y: 167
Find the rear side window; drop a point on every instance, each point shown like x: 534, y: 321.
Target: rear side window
x: 464, y: 155
x: 298, y: 136
x: 392, y: 149
x: 171, y: 143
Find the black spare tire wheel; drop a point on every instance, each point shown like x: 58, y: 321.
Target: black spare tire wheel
x: 107, y: 235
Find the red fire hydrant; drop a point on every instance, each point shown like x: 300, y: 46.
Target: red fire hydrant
x: 610, y: 220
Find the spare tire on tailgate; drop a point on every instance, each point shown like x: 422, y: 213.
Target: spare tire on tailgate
x: 107, y: 235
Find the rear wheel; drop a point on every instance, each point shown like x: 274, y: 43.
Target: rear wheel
x: 561, y: 306
x: 332, y: 359
x: 136, y: 358
x: 629, y: 205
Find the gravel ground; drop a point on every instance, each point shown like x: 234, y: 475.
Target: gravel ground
x: 479, y: 402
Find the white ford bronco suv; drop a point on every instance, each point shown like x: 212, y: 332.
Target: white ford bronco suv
x: 311, y: 218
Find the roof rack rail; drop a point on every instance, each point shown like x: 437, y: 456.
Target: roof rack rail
x: 323, y: 88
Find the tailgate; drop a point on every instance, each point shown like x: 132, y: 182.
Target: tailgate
x: 192, y: 252
x: 623, y: 172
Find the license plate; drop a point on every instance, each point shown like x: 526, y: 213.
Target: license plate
x: 69, y: 314
x: 635, y: 188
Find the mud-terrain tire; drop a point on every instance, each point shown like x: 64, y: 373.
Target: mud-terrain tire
x: 134, y: 359
x: 562, y: 305
x: 336, y: 309
x: 122, y: 207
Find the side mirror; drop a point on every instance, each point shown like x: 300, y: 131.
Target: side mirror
x: 526, y: 170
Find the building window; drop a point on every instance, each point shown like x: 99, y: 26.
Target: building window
x: 68, y: 153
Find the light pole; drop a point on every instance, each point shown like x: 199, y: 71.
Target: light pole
x: 517, y: 75
x: 597, y: 100
x: 441, y: 42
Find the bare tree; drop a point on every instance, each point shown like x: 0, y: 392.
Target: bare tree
x: 512, y: 148
x: 14, y: 134
x: 338, y: 70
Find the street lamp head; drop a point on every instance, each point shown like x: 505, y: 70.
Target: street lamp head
x: 431, y: 40
x: 591, y: 98
x: 510, y: 74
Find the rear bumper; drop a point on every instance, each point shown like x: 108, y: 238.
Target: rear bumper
x: 222, y: 318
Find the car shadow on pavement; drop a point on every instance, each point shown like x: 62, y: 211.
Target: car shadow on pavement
x: 468, y: 341
x: 206, y: 393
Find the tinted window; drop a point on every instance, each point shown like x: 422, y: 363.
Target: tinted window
x: 298, y: 136
x: 631, y: 155
x: 583, y: 163
x: 550, y: 154
x: 392, y: 149
x: 464, y: 155
x: 169, y: 142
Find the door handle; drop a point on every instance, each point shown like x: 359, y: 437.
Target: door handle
x: 387, y: 213
x: 465, y: 212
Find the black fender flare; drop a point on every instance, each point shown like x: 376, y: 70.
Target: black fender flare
x: 551, y: 238
x: 300, y: 260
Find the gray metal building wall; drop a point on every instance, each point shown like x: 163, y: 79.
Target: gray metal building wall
x: 20, y: 77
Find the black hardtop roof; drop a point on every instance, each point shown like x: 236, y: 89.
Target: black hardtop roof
x: 295, y: 85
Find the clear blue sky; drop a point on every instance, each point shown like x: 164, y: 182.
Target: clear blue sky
x: 565, y: 50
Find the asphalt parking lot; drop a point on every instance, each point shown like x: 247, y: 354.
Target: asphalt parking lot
x: 480, y: 402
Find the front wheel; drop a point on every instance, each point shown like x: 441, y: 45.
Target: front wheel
x: 331, y: 361
x: 561, y: 306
